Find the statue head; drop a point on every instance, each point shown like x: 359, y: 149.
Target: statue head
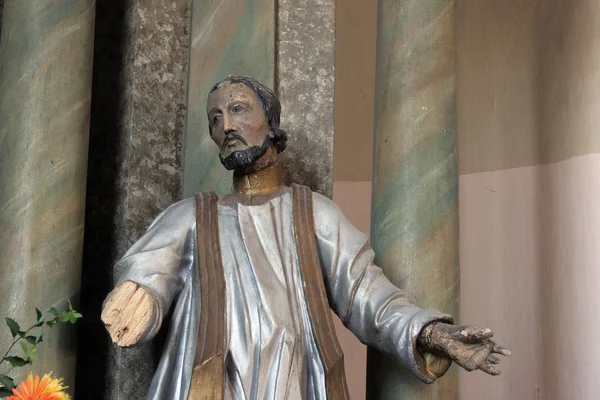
x: 243, y: 121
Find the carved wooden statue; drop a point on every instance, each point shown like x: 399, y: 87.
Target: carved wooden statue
x: 254, y: 273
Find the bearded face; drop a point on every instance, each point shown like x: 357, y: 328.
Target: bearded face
x: 238, y: 125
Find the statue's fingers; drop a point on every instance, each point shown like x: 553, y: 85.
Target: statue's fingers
x: 493, y: 359
x: 501, y: 350
x: 475, y: 333
x: 489, y: 369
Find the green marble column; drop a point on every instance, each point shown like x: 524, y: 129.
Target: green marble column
x: 227, y: 38
x: 45, y: 86
x: 414, y: 209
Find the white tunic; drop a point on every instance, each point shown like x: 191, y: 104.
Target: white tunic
x: 271, y: 352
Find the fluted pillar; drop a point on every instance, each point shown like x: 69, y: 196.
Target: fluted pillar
x: 45, y: 86
x: 414, y: 208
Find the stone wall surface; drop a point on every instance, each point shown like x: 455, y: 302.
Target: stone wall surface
x: 305, y: 85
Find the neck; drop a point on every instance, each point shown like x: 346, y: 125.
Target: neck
x: 265, y: 176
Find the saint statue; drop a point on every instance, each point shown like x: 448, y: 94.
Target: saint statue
x: 252, y: 275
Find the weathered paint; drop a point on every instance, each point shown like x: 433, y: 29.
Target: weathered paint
x: 415, y: 207
x: 45, y: 85
x: 227, y: 38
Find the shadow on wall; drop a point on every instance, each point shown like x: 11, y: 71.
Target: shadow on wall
x: 1, y: 13
x: 101, y: 197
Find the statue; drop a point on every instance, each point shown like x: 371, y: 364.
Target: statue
x: 252, y: 275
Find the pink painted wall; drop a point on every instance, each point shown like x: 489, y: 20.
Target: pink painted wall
x: 529, y: 112
x: 500, y: 276
x: 530, y: 270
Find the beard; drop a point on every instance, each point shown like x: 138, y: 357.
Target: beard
x: 243, y: 158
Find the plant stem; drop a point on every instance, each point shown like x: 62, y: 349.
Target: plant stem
x: 18, y: 338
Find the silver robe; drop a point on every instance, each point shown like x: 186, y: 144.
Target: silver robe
x: 271, y: 350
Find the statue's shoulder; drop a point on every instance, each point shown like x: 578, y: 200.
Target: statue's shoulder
x: 325, y: 211
x: 330, y: 220
x: 324, y: 202
x: 319, y: 201
x: 184, y: 204
x: 177, y: 213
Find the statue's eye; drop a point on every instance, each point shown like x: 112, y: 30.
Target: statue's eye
x: 237, y: 109
x: 216, y: 119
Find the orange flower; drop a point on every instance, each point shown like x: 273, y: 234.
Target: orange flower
x: 36, y: 389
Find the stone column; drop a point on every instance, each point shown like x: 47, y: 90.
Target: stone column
x: 305, y: 85
x: 414, y: 209
x: 135, y: 169
x: 45, y: 88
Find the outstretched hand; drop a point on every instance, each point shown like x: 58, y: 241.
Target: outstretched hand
x: 469, y: 346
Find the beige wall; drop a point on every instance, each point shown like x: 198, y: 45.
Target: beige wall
x: 529, y: 111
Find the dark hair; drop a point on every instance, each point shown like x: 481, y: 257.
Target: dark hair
x: 270, y: 103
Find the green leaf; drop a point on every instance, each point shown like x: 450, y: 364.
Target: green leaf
x: 51, y: 322
x: 24, y: 347
x: 77, y: 315
x: 53, y: 311
x: 31, y: 339
x: 33, y: 357
x: 39, y: 315
x: 16, y: 361
x: 32, y: 349
x: 15, y: 329
x: 64, y: 317
x: 7, y: 382
x: 5, y: 392
x: 38, y: 338
x: 70, y: 305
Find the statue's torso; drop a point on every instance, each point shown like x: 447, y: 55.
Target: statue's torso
x: 269, y: 341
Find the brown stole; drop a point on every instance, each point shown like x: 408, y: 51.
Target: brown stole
x: 208, y: 377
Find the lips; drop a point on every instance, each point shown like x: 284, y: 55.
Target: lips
x: 229, y: 141
x: 231, y: 138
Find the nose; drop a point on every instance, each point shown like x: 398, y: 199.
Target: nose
x: 228, y: 125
